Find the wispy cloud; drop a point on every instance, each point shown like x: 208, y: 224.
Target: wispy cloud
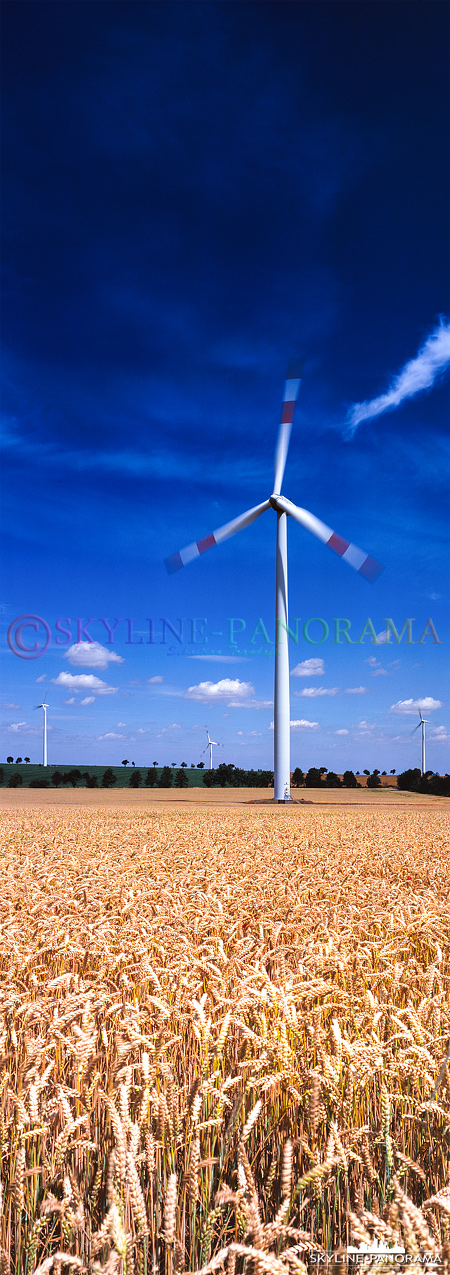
x: 251, y: 703
x: 439, y: 735
x: 311, y: 692
x: 419, y: 374
x: 341, y: 732
x: 300, y: 724
x: 110, y: 734
x: 377, y: 670
x: 355, y: 690
x: 91, y: 655
x: 153, y: 681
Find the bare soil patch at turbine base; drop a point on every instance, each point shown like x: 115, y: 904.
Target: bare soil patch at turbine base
x: 255, y: 999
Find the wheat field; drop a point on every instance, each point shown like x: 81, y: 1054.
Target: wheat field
x: 225, y: 1036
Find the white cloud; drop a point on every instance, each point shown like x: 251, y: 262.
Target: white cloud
x: 341, y: 732
x: 439, y: 734
x: 252, y: 733
x: 382, y: 637
x: 355, y: 690
x: 174, y: 726
x: 153, y: 680
x: 15, y: 727
x: 72, y: 700
x: 142, y: 730
x: 42, y: 678
x: 121, y: 723
x: 84, y: 682
x: 372, y: 660
x: 309, y: 668
x: 89, y: 699
x: 300, y: 724
x: 419, y: 374
x: 10, y: 707
x: 311, y: 692
x: 91, y: 655
x: 206, y: 692
x: 110, y: 734
x: 411, y: 706
x: 379, y: 672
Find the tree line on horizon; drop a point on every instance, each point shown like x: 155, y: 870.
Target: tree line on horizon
x: 231, y: 776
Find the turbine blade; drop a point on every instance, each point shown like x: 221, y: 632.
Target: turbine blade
x: 194, y: 550
x: 291, y: 388
x: 355, y: 557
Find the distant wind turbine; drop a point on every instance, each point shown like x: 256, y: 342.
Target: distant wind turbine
x: 209, y: 745
x: 424, y: 721
x: 366, y: 566
x: 45, y: 707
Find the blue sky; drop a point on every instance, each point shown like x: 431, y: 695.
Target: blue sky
x: 193, y: 194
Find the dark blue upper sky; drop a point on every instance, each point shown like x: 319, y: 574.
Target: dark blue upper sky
x: 194, y: 192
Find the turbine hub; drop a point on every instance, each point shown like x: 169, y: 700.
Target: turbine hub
x: 275, y: 503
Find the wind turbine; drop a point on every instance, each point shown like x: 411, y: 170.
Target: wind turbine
x: 284, y: 508
x: 424, y: 721
x: 45, y: 707
x: 210, y: 746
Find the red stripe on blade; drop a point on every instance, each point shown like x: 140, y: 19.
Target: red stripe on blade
x: 173, y: 563
x: 338, y: 544
x: 370, y: 569
x: 287, y: 413
x: 206, y: 543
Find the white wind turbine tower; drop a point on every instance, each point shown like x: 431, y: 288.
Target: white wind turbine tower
x: 283, y: 508
x: 424, y: 721
x: 209, y: 745
x: 45, y: 707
